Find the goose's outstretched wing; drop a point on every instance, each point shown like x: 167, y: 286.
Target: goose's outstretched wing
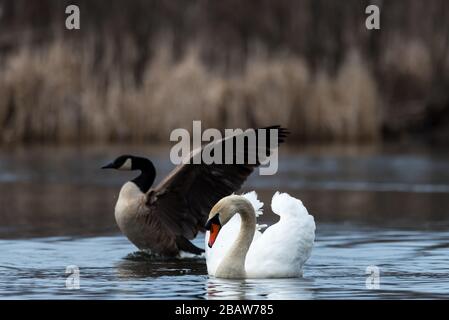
x: 182, y: 201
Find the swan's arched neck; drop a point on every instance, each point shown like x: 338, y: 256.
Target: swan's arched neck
x: 233, y: 263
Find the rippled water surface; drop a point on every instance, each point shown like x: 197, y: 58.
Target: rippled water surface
x: 385, y: 210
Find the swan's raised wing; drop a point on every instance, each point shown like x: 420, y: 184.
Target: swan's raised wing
x: 182, y: 201
x: 284, y: 247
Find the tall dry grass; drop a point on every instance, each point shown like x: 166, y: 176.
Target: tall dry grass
x: 60, y: 93
x: 134, y: 72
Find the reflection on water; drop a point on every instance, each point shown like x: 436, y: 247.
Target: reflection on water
x: 413, y: 264
x: 247, y: 289
x: 141, y: 265
x: 384, y: 208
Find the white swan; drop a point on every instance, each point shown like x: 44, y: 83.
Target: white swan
x: 235, y: 247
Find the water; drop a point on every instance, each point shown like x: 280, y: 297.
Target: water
x: 412, y: 264
x: 373, y: 207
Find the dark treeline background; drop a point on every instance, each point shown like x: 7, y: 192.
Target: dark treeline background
x: 138, y: 69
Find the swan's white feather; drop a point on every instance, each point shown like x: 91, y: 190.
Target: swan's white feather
x: 256, y: 203
x: 280, y: 251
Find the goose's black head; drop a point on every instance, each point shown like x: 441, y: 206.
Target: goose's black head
x: 128, y: 162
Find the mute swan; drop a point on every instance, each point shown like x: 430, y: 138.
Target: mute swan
x: 235, y: 247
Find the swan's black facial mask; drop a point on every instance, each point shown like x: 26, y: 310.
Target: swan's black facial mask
x: 214, y: 226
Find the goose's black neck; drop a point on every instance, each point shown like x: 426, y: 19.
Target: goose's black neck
x: 147, y: 173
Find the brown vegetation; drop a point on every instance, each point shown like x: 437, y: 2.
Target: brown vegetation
x: 309, y: 65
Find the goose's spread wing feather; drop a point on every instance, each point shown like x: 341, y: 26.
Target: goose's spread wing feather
x: 182, y: 201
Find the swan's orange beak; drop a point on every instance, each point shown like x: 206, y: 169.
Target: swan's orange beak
x: 214, y: 226
x: 214, y: 230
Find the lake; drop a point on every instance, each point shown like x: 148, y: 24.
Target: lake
x: 382, y: 215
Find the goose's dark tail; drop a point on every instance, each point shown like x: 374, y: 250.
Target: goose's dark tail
x: 186, y: 246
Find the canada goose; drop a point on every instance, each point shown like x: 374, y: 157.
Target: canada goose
x: 235, y: 248
x: 163, y: 219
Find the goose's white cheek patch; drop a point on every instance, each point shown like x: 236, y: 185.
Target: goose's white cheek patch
x: 126, y: 165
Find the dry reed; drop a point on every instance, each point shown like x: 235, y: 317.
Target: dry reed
x: 58, y: 94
